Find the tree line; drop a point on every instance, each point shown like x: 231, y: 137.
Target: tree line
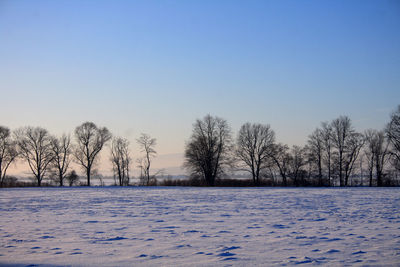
x: 332, y: 155
x: 50, y: 156
x: 335, y: 154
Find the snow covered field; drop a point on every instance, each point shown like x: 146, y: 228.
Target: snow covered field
x: 199, y: 226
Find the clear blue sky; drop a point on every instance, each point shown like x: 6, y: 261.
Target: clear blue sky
x: 156, y: 66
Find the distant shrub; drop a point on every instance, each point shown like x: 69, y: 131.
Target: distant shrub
x: 11, y: 181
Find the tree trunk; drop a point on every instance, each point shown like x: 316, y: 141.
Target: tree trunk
x: 329, y: 169
x: 370, y: 178
x: 39, y: 178
x: 284, y: 179
x: 319, y: 171
x: 340, y: 170
x: 210, y: 179
x: 378, y: 172
x: 254, y: 176
x: 88, y: 176
x: 379, y: 177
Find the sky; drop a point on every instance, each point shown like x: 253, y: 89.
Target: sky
x: 156, y: 66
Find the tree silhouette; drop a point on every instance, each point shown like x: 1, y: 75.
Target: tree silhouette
x: 35, y: 147
x: 377, y: 150
x: 147, y: 145
x: 327, y: 142
x: 316, y: 149
x: 209, y: 148
x: 281, y: 158
x: 90, y: 141
x: 296, y: 163
x: 348, y: 144
x: 254, y: 147
x: 120, y: 159
x: 8, y: 152
x: 61, y: 148
x: 393, y: 133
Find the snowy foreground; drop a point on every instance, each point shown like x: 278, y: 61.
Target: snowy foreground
x: 199, y: 226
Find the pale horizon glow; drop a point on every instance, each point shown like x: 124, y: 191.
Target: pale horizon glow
x: 156, y: 66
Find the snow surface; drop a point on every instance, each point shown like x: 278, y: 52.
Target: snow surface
x: 153, y: 226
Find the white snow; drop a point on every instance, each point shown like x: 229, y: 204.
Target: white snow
x: 110, y: 226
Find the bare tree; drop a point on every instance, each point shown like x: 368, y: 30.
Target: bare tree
x: 393, y: 133
x: 35, y: 147
x: 209, y: 148
x: 296, y: 163
x: 281, y: 158
x: 90, y: 141
x: 316, y: 149
x: 345, y: 141
x: 120, y: 158
x: 254, y: 147
x: 378, y: 153
x: 370, y: 138
x: 381, y: 156
x: 147, y: 145
x: 61, y: 148
x: 327, y: 141
x: 353, y: 146
x: 8, y: 152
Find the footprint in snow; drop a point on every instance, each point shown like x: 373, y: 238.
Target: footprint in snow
x: 332, y: 251
x: 226, y: 254
x: 230, y: 248
x: 153, y: 257
x: 183, y: 246
x: 254, y: 227
x: 280, y: 226
x: 304, y: 261
x: 116, y: 238
x: 230, y: 259
x: 359, y: 252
